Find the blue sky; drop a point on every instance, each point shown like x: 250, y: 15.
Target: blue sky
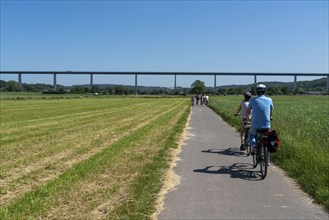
x: 196, y: 36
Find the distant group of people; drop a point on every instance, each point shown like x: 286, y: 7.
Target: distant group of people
x: 260, y: 108
x: 200, y: 99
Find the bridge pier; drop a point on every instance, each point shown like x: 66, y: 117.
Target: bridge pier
x: 20, y: 79
x: 55, y: 81
x: 136, y: 93
x: 175, y: 82
x: 295, y: 83
x: 91, y: 80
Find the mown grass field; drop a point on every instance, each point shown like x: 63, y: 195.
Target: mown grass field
x: 86, y: 158
x: 303, y: 124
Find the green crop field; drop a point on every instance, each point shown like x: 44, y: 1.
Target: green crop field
x: 303, y: 125
x: 86, y: 158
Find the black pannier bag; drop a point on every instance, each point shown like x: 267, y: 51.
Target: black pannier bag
x: 273, y: 141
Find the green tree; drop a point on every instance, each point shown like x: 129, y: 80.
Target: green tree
x: 78, y: 90
x: 300, y: 91
x: 253, y: 90
x: 87, y: 90
x: 239, y: 90
x: 61, y: 90
x: 127, y: 91
x: 119, y: 90
x: 109, y: 90
x: 231, y: 91
x: 210, y: 91
x: 30, y: 88
x: 198, y: 87
x: 222, y: 91
x: 273, y: 91
x: 95, y: 89
x: 286, y: 90
x: 13, y: 86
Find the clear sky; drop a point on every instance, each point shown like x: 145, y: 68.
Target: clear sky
x: 196, y: 36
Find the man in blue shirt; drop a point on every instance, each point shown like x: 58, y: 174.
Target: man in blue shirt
x: 261, y: 107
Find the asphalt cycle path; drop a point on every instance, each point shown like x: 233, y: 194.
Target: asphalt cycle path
x: 218, y: 180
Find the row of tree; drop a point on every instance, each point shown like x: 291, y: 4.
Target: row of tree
x: 275, y: 90
x: 197, y: 87
x: 13, y: 86
x: 121, y: 90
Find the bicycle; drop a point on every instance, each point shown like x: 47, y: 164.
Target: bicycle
x: 261, y: 155
x: 246, y: 123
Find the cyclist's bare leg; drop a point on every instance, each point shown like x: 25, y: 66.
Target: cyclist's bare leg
x: 242, y: 147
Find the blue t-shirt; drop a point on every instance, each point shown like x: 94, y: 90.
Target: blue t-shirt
x: 261, y: 108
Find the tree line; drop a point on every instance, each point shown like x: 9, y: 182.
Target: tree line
x: 13, y: 86
x: 274, y: 90
x: 197, y: 87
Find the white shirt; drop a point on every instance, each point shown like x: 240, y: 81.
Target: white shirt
x: 244, y: 105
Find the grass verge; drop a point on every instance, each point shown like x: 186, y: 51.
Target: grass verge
x: 147, y: 185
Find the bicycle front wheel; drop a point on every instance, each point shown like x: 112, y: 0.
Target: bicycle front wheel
x: 248, y: 147
x: 263, y: 161
x: 254, y: 160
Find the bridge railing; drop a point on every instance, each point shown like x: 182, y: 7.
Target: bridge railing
x: 175, y: 74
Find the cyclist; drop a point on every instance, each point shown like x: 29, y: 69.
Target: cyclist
x: 206, y: 99
x: 243, y: 107
x: 261, y: 107
x: 193, y: 100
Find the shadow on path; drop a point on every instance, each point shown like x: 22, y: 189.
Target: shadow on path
x: 228, y: 152
x: 238, y: 170
x: 243, y: 171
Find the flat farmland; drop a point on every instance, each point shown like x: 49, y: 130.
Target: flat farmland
x: 86, y: 158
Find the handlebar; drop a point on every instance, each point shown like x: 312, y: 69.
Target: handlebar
x: 245, y: 119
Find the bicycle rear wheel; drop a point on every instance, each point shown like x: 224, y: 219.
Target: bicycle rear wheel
x: 246, y: 144
x: 263, y: 160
